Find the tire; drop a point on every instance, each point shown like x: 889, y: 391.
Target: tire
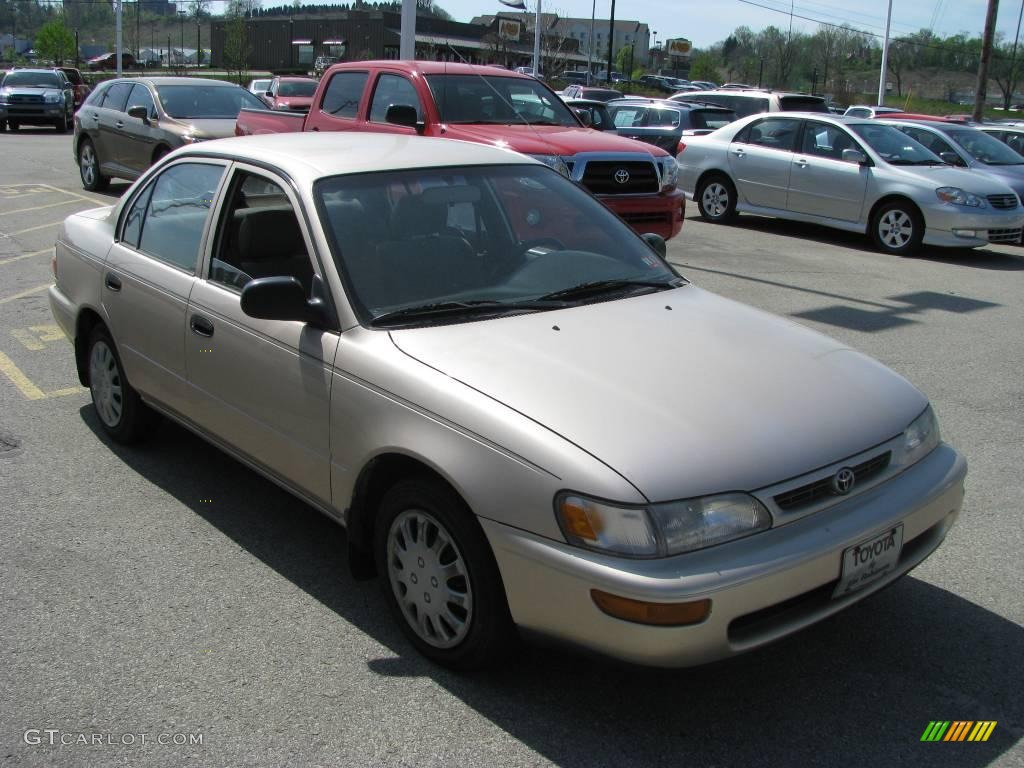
x: 426, y: 538
x: 716, y: 199
x: 121, y: 411
x: 3, y: 126
x: 13, y: 124
x: 897, y: 228
x: 89, y: 167
x: 61, y: 125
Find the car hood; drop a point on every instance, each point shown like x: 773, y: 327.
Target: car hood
x: 947, y: 176
x: 547, y: 139
x: 206, y: 128
x: 682, y: 392
x: 1010, y: 175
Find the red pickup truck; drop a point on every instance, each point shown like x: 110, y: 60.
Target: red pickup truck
x: 488, y: 105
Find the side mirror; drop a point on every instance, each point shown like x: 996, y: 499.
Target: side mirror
x: 282, y: 298
x: 139, y: 113
x: 584, y: 116
x: 404, y: 114
x: 268, y: 94
x: 657, y: 244
x: 952, y: 158
x: 854, y: 156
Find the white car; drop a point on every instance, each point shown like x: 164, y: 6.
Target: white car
x: 852, y: 174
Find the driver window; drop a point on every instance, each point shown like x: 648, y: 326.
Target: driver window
x: 391, y: 90
x: 825, y: 140
x: 260, y: 236
x: 141, y: 97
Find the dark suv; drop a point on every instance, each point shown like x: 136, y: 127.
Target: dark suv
x: 663, y: 122
x: 36, y: 97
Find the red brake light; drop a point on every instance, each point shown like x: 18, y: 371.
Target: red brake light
x: 681, y: 147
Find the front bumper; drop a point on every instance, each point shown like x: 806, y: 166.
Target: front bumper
x: 959, y: 227
x: 32, y: 114
x: 661, y: 214
x: 762, y: 588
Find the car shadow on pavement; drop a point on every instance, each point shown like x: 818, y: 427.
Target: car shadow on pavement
x: 977, y: 258
x: 861, y: 686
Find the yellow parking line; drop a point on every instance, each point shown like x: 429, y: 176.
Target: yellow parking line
x: 78, y: 195
x: 35, y: 229
x: 67, y: 391
x: 26, y: 256
x: 19, y: 379
x: 29, y: 292
x: 39, y: 207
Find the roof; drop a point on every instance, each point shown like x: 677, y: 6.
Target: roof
x: 307, y: 157
x: 436, y: 68
x: 176, y: 81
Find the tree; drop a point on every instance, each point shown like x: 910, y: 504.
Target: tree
x: 199, y: 10
x: 704, y: 67
x: 1006, y: 71
x: 236, y: 47
x: 902, y: 56
x: 55, y: 41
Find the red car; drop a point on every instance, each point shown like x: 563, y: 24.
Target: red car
x: 109, y: 61
x: 78, y: 83
x: 291, y: 93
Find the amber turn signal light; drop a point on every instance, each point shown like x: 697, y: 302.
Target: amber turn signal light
x: 658, y: 614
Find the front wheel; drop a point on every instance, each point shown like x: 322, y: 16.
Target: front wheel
x: 716, y: 199
x: 897, y: 228
x: 122, y: 413
x: 439, y: 575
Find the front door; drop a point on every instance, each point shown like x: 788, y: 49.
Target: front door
x: 821, y: 182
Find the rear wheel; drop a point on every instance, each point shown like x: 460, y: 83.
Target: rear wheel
x: 716, y: 199
x: 122, y: 413
x: 89, y: 167
x: 439, y: 575
x: 897, y: 228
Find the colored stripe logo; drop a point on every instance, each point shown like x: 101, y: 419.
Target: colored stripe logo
x: 958, y: 730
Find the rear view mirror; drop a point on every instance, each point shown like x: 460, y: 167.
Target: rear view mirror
x: 403, y: 114
x: 657, y: 244
x: 854, y: 156
x: 584, y: 117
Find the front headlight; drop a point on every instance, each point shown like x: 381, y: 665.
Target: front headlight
x: 957, y: 196
x: 554, y: 161
x: 659, y: 530
x: 51, y: 98
x: 5, y: 97
x: 670, y: 173
x: 920, y: 438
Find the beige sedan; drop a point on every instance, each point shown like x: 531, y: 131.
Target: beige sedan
x: 128, y: 124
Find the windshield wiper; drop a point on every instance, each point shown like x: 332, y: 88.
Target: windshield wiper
x: 474, y: 307
x: 607, y: 286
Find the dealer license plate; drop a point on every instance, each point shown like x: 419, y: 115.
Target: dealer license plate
x: 869, y: 561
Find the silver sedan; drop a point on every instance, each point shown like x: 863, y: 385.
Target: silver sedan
x: 462, y: 356
x: 852, y: 174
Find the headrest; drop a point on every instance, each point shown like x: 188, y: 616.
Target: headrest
x: 268, y: 233
x: 414, y: 216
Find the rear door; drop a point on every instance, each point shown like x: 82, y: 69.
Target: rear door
x: 761, y: 158
x: 821, y: 182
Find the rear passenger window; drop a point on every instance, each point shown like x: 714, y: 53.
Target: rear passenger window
x: 774, y: 133
x: 117, y: 96
x: 133, y: 222
x: 343, y: 94
x: 176, y: 213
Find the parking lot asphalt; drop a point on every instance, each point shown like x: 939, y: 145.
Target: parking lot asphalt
x: 164, y: 592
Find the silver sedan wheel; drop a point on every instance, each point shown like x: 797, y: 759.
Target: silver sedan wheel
x: 715, y: 199
x: 895, y: 228
x: 429, y: 579
x: 105, y: 384
x: 87, y: 163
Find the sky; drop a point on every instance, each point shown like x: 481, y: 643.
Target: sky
x: 705, y: 22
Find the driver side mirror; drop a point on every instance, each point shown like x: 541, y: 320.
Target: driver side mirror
x: 584, y: 116
x: 854, y: 156
x: 139, y: 113
x: 952, y: 158
x: 282, y: 298
x: 404, y: 114
x: 657, y: 244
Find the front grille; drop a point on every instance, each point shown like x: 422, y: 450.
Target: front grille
x: 600, y: 178
x: 24, y: 98
x: 1003, y: 235
x: 819, y: 489
x: 1004, y: 202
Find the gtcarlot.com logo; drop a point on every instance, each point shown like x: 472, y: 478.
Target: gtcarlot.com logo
x: 958, y: 730
x: 55, y: 737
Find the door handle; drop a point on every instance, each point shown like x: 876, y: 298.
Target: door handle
x: 738, y: 152
x: 112, y: 281
x: 802, y: 163
x: 120, y: 123
x: 201, y: 326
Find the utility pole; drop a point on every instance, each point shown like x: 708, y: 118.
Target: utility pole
x: 885, y: 57
x: 611, y: 42
x: 981, y: 90
x: 119, y: 54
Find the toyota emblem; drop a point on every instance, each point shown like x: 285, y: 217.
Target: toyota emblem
x: 621, y: 176
x: 843, y: 481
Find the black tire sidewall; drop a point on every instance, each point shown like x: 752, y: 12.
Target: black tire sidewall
x: 729, y: 187
x: 916, y: 237
x: 491, y: 629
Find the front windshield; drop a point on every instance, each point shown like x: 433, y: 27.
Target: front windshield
x: 297, y: 88
x: 206, y: 101
x: 31, y: 80
x: 478, y: 237
x: 495, y: 99
x: 894, y: 146
x: 983, y: 147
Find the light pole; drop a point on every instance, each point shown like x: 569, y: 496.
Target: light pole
x: 181, y: 53
x: 590, y: 44
x: 885, y: 57
x: 611, y: 41
x: 199, y: 43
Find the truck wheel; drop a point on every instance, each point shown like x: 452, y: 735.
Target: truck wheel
x: 89, y: 167
x: 439, y: 576
x: 716, y: 199
x: 12, y: 124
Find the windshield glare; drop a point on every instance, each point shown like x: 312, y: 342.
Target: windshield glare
x: 984, y: 148
x: 474, y: 234
x: 206, y: 101
x: 31, y: 80
x: 497, y: 99
x: 302, y: 88
x: 894, y: 146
